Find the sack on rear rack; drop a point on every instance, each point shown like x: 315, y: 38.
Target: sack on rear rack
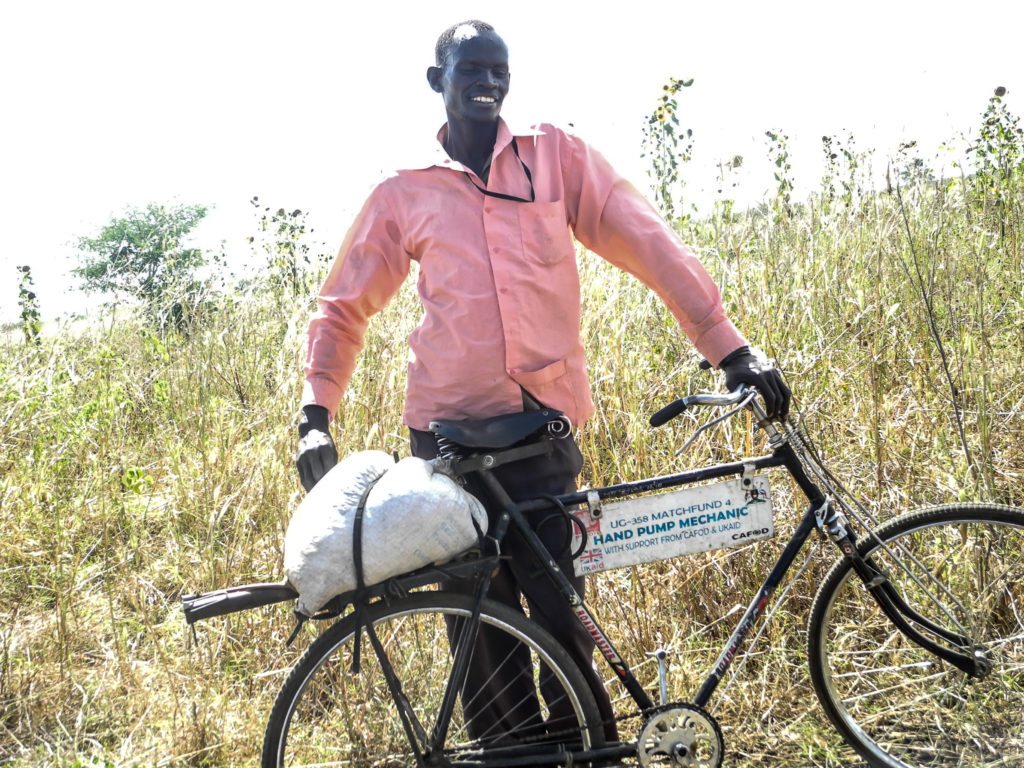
x: 413, y: 516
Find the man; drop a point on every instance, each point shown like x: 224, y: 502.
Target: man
x: 490, y: 218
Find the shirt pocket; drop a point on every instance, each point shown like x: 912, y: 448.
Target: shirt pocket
x: 530, y: 380
x: 544, y: 228
x: 550, y: 386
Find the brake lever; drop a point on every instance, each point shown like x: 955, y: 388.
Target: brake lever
x: 751, y: 394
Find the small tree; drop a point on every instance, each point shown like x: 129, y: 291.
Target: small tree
x: 666, y: 146
x: 141, y: 255
x: 28, y: 302
x: 999, y: 148
x: 292, y: 271
x: 999, y: 160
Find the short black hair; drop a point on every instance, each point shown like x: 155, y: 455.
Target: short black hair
x: 447, y: 41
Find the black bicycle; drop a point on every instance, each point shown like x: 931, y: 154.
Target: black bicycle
x: 915, y: 638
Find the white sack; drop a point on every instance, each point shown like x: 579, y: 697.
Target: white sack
x: 414, y: 516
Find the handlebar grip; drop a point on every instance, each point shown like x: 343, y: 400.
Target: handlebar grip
x: 668, y: 413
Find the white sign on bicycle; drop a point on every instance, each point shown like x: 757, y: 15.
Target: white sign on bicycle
x: 667, y: 525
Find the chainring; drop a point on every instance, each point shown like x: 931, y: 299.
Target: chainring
x: 680, y: 735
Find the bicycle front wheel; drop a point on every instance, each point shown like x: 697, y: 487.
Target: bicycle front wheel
x: 960, y: 566
x: 532, y: 703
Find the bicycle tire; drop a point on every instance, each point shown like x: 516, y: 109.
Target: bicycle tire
x: 327, y: 714
x: 897, y: 704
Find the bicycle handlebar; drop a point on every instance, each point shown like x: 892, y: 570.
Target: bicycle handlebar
x: 668, y: 413
x: 673, y: 409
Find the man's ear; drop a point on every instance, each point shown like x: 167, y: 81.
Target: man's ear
x: 434, y: 78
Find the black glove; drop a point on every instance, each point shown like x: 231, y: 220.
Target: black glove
x: 317, y: 453
x: 744, y: 366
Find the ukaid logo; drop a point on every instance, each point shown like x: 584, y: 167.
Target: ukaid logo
x: 668, y: 525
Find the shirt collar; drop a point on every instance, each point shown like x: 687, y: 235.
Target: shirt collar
x: 436, y: 154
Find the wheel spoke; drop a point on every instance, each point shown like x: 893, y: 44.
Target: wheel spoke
x: 893, y: 701
x: 328, y: 715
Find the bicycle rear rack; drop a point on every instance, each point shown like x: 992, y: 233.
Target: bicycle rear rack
x: 221, y: 602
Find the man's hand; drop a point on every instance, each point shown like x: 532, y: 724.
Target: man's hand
x: 744, y: 366
x: 317, y: 453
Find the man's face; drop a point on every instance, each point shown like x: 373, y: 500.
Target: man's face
x: 474, y: 81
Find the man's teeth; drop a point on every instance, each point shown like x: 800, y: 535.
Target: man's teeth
x: 484, y: 99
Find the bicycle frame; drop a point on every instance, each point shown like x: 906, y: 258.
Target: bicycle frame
x: 783, y: 456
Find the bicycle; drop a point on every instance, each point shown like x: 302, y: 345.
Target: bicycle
x: 915, y: 636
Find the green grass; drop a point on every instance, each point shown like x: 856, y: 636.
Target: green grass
x: 135, y: 468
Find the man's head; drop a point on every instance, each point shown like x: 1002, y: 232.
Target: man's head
x: 454, y: 35
x: 471, y: 71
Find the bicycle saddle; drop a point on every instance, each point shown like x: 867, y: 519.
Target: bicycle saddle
x: 502, y: 431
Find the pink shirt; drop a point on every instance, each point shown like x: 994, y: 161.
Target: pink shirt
x: 498, y: 279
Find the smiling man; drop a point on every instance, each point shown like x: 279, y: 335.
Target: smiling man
x: 490, y: 216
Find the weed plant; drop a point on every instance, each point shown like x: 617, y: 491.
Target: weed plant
x: 137, y: 466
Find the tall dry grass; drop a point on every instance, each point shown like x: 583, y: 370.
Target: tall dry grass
x: 137, y: 467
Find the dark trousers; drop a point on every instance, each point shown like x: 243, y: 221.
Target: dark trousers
x: 513, y: 702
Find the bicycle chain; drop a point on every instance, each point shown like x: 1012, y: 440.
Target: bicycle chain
x: 571, y: 732
x: 667, y: 709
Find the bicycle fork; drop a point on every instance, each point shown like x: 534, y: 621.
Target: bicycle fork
x: 833, y: 524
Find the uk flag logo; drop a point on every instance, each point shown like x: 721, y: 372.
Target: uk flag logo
x: 592, y: 560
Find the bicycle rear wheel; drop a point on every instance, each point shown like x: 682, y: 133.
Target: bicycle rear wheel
x: 326, y: 714
x: 897, y: 704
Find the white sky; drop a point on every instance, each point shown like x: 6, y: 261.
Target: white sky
x: 108, y: 104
